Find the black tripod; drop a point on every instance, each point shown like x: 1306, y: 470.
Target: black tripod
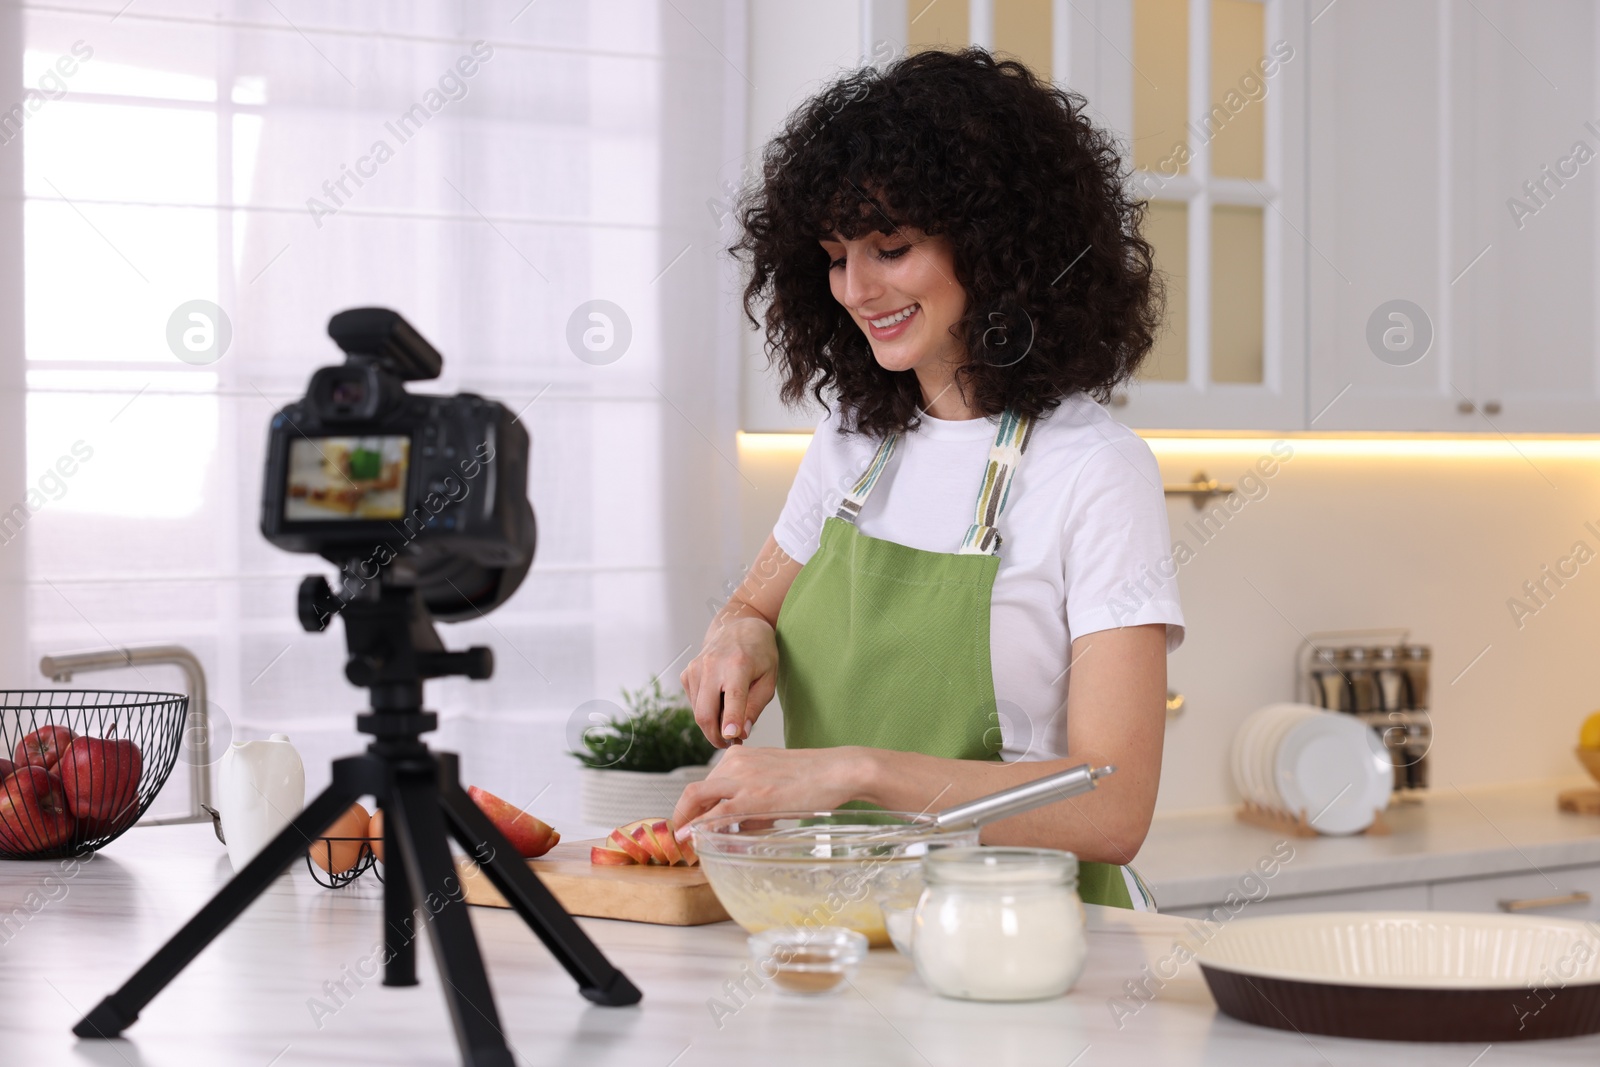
x: 393, y: 648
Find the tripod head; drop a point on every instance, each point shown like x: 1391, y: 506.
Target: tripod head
x: 393, y: 647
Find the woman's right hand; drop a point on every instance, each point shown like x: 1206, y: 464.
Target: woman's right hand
x: 736, y: 672
x: 733, y: 677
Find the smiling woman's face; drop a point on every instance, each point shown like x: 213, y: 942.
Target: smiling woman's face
x: 901, y: 290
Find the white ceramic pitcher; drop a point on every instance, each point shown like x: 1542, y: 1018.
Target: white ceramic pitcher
x: 262, y: 785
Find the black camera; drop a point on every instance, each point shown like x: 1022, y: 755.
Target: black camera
x: 422, y: 491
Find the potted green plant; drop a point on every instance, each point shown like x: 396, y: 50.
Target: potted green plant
x: 636, y: 764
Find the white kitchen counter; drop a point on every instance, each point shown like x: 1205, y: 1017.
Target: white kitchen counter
x: 245, y: 1001
x: 1197, y: 859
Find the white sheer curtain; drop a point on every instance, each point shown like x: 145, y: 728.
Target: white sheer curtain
x: 536, y: 156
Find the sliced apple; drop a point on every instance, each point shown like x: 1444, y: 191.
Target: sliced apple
x: 658, y: 858
x: 529, y: 836
x: 624, y: 843
x: 647, y: 842
x: 686, y: 847
x: 662, y: 834
x: 610, y: 857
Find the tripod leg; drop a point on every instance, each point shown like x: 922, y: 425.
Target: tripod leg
x: 597, y: 979
x: 399, y: 913
x: 119, y: 1010
x: 425, y: 852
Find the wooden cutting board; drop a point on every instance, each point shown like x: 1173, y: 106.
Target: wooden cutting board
x: 669, y: 896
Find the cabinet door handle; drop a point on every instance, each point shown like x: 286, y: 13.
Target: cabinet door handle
x: 1491, y: 407
x: 1534, y: 903
x: 1466, y: 407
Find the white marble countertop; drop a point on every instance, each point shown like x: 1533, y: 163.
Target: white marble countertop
x: 246, y: 1000
x: 1194, y: 859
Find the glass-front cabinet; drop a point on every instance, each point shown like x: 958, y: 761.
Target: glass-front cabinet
x: 1369, y: 214
x: 1208, y: 96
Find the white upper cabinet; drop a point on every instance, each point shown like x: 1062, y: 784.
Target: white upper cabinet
x: 1529, y: 179
x: 1432, y: 123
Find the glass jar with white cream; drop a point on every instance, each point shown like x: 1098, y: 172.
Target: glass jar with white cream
x: 999, y: 923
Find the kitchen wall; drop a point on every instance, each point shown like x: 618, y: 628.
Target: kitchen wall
x: 1436, y: 535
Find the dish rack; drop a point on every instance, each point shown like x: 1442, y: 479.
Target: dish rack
x: 1306, y: 771
x: 1298, y: 825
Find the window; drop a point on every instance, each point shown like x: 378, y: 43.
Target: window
x: 530, y: 161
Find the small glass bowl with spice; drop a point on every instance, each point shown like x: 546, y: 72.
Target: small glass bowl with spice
x: 807, y: 960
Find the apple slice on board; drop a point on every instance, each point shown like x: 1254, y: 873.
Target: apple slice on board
x: 641, y: 836
x: 625, y: 843
x: 645, y: 842
x: 661, y: 833
x: 529, y: 836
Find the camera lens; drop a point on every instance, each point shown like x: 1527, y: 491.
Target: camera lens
x: 349, y: 393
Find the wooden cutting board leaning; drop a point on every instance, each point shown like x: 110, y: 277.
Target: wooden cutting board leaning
x: 667, y: 896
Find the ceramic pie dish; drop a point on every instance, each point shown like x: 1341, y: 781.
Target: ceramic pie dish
x: 1409, y: 976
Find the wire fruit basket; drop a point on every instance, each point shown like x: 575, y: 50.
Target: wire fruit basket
x: 80, y: 766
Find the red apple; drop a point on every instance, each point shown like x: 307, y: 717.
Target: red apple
x: 91, y: 829
x: 528, y: 835
x: 101, y: 777
x: 33, y: 812
x: 43, y: 747
x: 609, y: 857
x: 6, y: 767
x: 691, y: 858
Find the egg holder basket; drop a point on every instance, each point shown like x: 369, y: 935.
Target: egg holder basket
x: 366, y: 861
x: 154, y: 722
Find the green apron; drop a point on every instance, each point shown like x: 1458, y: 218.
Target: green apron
x: 887, y: 646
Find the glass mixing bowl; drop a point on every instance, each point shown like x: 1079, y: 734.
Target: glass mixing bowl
x: 819, y: 868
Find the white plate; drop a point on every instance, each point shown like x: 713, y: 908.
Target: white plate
x: 1246, y: 751
x: 1334, y: 768
x: 1283, y: 718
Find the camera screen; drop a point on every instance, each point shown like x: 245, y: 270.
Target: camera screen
x: 337, y: 478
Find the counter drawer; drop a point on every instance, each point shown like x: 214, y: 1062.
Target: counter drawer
x: 1560, y: 892
x: 1387, y: 898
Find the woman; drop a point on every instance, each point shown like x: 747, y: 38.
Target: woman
x: 965, y: 588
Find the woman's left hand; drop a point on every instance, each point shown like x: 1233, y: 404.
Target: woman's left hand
x: 757, y: 779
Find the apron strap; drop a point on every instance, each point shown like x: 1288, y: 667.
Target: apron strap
x: 850, y: 507
x: 1005, y: 456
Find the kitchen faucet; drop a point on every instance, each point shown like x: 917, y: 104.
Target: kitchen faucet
x: 197, y: 727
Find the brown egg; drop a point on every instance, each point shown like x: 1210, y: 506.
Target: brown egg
x: 375, y: 832
x: 337, y: 856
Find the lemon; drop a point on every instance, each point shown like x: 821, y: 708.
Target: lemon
x: 1589, y: 735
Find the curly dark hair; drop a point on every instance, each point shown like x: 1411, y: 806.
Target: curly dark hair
x: 1031, y: 194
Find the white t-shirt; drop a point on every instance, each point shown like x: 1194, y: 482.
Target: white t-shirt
x: 1085, y: 543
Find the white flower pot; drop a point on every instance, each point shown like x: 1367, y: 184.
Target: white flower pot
x: 613, y: 798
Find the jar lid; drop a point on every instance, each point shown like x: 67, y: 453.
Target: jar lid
x: 1000, y: 867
